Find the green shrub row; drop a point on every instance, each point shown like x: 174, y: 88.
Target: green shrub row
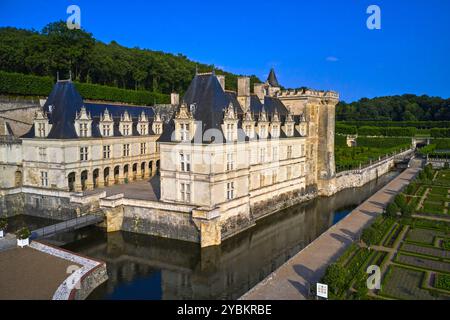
x: 26, y: 85
x: 415, y: 124
x: 376, y: 131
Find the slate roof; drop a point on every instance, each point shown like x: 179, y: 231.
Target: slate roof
x: 272, y: 79
x: 209, y: 101
x: 64, y: 102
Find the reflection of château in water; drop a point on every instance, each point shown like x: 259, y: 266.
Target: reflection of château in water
x: 224, y: 272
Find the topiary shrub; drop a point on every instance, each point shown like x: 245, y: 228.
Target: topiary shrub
x: 369, y: 236
x: 334, y: 277
x: 391, y: 210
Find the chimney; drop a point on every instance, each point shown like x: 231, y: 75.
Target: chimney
x: 243, y: 87
x: 258, y: 89
x: 174, y: 99
x: 221, y: 79
x: 243, y: 94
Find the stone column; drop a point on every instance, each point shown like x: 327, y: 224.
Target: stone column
x: 111, y: 180
x: 78, y: 187
x: 121, y: 177
x: 89, y: 181
x: 101, y: 179
x: 147, y: 171
x: 138, y: 172
x: 153, y: 168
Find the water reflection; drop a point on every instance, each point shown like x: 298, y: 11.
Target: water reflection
x: 144, y: 267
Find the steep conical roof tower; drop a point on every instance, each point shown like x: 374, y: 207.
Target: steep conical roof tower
x: 272, y: 79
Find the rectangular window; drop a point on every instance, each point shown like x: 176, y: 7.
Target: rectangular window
x: 106, y: 152
x: 290, y: 130
x: 230, y: 162
x: 275, y: 153
x: 83, y: 154
x: 289, y: 152
x: 230, y: 129
x: 248, y: 130
x: 157, y: 129
x: 289, y: 173
x: 42, y: 153
x: 143, y: 148
x: 185, y: 162
x: 126, y: 150
x: 262, y: 155
x: 44, y: 179
x: 126, y: 129
x: 143, y: 129
x: 275, y: 132
x: 263, y: 132
x: 185, y: 192
x: 41, y: 130
x: 262, y: 179
x: 83, y: 130
x: 274, y: 177
x: 230, y: 190
x: 185, y: 132
x: 106, y: 130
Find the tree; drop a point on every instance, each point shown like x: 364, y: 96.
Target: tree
x: 391, y: 210
x: 369, y: 236
x: 335, y: 278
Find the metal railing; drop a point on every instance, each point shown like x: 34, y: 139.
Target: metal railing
x: 68, y: 225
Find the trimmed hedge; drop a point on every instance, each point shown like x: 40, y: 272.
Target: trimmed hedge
x: 415, y: 124
x: 28, y: 85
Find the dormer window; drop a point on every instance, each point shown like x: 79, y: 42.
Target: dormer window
x: 125, y: 124
x: 106, y: 124
x: 83, y: 123
x: 157, y: 124
x: 143, y: 124
x: 184, y: 124
x: 230, y: 121
x: 41, y: 124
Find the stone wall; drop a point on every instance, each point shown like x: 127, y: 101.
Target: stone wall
x: 358, y: 178
x: 45, y: 204
x: 161, y: 223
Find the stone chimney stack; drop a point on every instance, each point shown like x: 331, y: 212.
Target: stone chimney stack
x: 243, y: 94
x: 258, y: 89
x: 243, y: 87
x: 221, y: 79
x: 174, y: 99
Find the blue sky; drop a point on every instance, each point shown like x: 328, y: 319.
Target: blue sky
x: 319, y: 44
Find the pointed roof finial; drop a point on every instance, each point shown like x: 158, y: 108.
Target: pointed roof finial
x: 272, y: 79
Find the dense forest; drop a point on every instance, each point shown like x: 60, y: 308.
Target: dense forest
x: 58, y: 49
x: 407, y: 107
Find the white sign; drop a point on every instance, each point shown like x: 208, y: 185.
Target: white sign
x: 322, y: 290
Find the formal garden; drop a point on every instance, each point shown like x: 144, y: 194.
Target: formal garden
x: 368, y: 149
x: 410, y: 244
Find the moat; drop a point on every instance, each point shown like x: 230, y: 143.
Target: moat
x: 145, y: 267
